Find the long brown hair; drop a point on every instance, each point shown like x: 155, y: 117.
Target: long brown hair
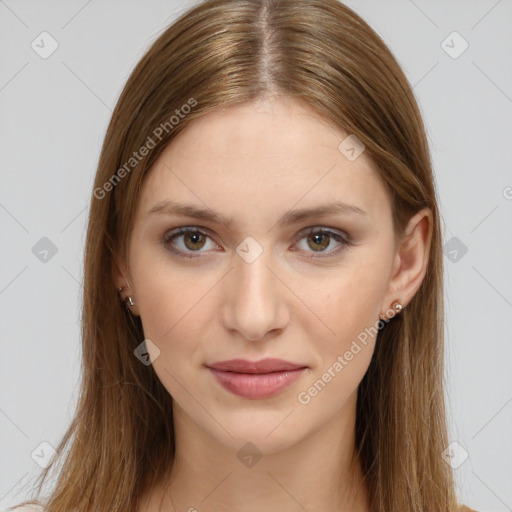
x: 220, y: 53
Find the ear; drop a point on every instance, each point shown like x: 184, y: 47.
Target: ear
x: 411, y: 260
x: 122, y: 279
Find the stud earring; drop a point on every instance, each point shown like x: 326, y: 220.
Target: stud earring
x: 397, y: 308
x: 128, y: 300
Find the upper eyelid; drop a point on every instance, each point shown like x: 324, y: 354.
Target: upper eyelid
x: 207, y: 231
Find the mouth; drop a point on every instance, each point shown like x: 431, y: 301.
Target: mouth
x: 256, y: 379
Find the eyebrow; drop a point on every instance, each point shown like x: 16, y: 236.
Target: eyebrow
x: 290, y: 217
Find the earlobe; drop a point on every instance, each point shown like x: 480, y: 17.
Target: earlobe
x: 396, y: 308
x: 121, y: 277
x: 129, y: 301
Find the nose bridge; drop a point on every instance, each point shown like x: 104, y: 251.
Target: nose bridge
x: 254, y: 302
x: 255, y: 279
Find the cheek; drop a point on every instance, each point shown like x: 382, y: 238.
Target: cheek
x: 166, y: 294
x: 347, y: 307
x: 172, y: 309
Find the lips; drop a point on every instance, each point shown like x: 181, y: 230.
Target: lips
x: 263, y: 366
x: 256, y: 379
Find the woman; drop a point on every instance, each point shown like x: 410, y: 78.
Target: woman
x: 265, y: 208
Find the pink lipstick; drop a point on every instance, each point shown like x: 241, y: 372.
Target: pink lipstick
x: 256, y: 379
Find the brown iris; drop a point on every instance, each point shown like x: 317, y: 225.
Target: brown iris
x: 318, y: 240
x: 197, y: 240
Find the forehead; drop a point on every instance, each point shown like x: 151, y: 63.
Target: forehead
x: 262, y: 157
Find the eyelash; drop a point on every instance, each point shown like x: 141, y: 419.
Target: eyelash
x: 176, y: 233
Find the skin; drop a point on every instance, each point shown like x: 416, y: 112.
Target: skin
x: 253, y: 163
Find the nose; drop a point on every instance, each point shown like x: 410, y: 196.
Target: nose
x: 254, y: 302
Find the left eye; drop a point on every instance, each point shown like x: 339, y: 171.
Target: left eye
x: 193, y: 240
x: 320, y: 239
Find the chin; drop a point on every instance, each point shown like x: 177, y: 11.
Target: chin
x: 268, y: 432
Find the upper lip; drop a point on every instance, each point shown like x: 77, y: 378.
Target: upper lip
x: 262, y: 366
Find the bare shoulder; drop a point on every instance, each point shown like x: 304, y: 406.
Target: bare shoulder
x: 31, y: 507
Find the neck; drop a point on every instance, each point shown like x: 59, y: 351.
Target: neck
x: 316, y: 474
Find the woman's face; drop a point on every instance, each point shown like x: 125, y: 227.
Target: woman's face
x: 268, y: 283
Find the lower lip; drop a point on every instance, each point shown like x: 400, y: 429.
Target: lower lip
x: 256, y: 385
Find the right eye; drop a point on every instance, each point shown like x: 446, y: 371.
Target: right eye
x: 191, y: 240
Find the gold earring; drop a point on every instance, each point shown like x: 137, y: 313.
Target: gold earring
x: 396, y: 306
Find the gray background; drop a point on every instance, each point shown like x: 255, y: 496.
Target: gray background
x: 54, y: 114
